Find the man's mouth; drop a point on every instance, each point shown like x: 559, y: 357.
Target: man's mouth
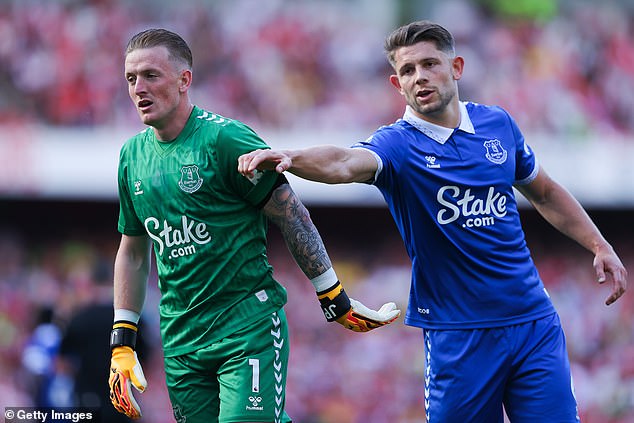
x: 144, y: 104
x: 424, y: 94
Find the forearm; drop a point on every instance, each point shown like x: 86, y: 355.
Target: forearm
x: 302, y: 239
x: 131, y: 271
x: 325, y: 163
x: 564, y: 212
x: 307, y: 247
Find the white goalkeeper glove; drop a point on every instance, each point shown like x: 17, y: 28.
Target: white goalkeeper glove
x: 350, y: 313
x: 362, y: 319
x: 125, y: 370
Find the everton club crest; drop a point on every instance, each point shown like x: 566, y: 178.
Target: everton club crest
x: 190, y: 179
x: 495, y: 152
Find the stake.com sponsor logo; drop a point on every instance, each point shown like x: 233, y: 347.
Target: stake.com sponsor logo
x: 181, y: 241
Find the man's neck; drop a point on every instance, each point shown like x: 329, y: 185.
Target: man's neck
x: 175, y: 125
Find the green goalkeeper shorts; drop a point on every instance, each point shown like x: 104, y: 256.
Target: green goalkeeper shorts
x: 241, y: 378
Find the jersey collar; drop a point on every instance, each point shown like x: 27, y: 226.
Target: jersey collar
x: 438, y: 133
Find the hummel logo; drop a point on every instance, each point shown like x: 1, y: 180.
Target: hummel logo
x: 255, y: 400
x: 431, y: 162
x: 137, y: 188
x: 257, y: 175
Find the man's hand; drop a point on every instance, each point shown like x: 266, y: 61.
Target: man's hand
x: 263, y: 160
x: 608, y: 263
x: 125, y: 369
x: 362, y: 319
x: 351, y: 313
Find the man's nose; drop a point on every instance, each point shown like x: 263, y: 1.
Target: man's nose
x: 139, y: 86
x: 421, y: 74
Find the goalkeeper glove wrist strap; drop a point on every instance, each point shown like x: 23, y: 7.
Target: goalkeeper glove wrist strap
x: 334, y: 302
x: 123, y: 334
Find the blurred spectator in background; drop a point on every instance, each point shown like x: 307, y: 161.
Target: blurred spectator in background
x: 48, y: 388
x: 561, y: 67
x: 84, y: 352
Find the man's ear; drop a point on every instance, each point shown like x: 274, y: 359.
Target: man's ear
x: 457, y: 67
x: 396, y: 83
x: 185, y: 81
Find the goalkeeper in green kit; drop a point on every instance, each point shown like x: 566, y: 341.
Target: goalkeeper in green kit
x: 223, y: 327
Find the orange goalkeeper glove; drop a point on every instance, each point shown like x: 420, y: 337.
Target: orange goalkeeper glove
x: 351, y: 313
x: 125, y: 370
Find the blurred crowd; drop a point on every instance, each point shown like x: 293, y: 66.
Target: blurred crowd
x: 308, y: 64
x: 335, y: 376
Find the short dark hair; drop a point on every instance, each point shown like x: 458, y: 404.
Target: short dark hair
x: 176, y: 46
x: 415, y: 32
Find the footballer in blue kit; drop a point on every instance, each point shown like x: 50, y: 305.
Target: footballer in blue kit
x: 492, y: 338
x: 459, y: 186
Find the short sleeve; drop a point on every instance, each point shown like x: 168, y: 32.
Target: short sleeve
x: 235, y: 140
x: 129, y: 223
x: 526, y: 165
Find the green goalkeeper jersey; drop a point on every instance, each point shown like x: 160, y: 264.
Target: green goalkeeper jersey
x: 208, y: 233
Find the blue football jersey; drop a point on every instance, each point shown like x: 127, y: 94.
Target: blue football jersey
x: 450, y: 192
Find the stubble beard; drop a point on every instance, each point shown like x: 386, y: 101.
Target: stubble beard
x: 433, y: 109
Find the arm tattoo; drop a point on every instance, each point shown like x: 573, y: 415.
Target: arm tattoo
x: 300, y: 234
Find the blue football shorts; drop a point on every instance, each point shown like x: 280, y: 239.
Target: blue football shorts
x: 475, y: 375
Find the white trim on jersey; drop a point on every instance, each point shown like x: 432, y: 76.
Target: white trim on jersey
x: 438, y: 133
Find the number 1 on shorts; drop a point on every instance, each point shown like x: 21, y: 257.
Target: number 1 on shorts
x: 255, y: 382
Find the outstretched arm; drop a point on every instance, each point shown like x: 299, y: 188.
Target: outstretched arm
x: 324, y: 163
x: 305, y: 244
x: 565, y: 213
